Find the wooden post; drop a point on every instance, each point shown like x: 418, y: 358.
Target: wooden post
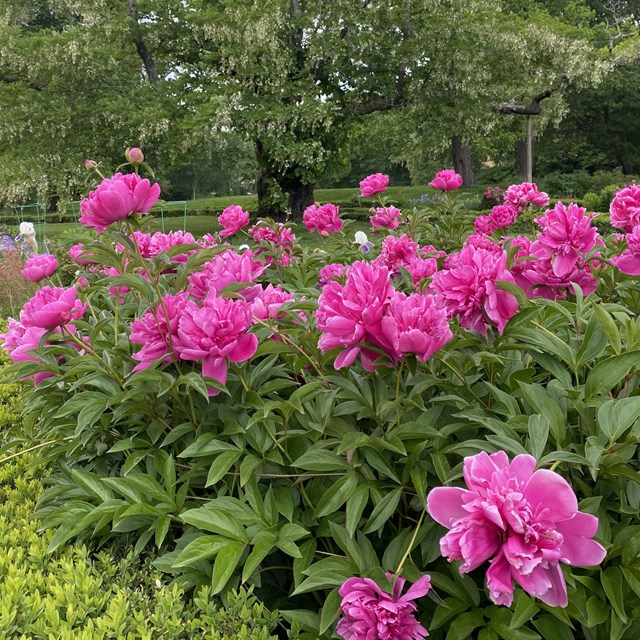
x: 529, y: 148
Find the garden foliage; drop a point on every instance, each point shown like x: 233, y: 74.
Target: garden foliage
x: 218, y: 409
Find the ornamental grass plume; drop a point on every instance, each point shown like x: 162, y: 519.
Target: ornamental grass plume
x: 350, y: 315
x: 373, y: 184
x: 524, y: 521
x: 385, y: 217
x: 468, y: 288
x: 215, y: 334
x: 118, y: 198
x: 324, y: 219
x: 625, y: 208
x: 446, y: 180
x: 369, y: 613
x: 39, y: 266
x: 157, y: 331
x: 232, y: 219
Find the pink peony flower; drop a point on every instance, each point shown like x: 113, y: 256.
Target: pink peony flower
x: 20, y: 342
x: 225, y: 269
x: 162, y: 242
x: 629, y: 260
x: 520, y: 195
x: 415, y: 324
x: 468, y: 289
x: 526, y: 522
x: 279, y: 242
x: 446, y: 180
x: 266, y: 305
x: 503, y: 215
x: 484, y: 225
x: 373, y: 184
x: 567, y: 234
x: 78, y: 250
x: 386, y: 217
x: 118, y: 198
x: 157, y: 331
x: 216, y: 333
x: 39, y: 266
x: 323, y: 219
x: 351, y: 314
x: 330, y: 272
x: 420, y: 268
x: 52, y: 307
x: 369, y: 613
x: 625, y: 208
x: 397, y: 252
x: 233, y: 218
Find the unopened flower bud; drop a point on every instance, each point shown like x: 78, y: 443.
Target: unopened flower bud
x: 90, y: 165
x: 134, y: 155
x: 82, y: 282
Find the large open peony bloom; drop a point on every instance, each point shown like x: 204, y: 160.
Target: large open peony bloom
x: 373, y: 184
x: 118, y: 198
x: 520, y: 195
x: 468, y: 288
x: 224, y: 269
x: 350, y: 315
x: 625, y: 208
x: 157, y: 331
x: 503, y: 215
x: 39, y: 266
x: 216, y: 333
x: 446, y: 180
x: 416, y: 324
x: 232, y: 219
x: 567, y: 234
x: 397, y: 252
x: 20, y: 342
x: 629, y: 260
x: 526, y: 522
x: 385, y: 217
x: 324, y: 219
x: 52, y: 307
x: 369, y: 613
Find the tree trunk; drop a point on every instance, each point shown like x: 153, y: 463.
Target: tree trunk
x: 525, y: 154
x: 462, y: 163
x: 265, y: 173
x: 300, y: 197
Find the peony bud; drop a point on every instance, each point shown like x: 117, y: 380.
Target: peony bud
x: 134, y: 155
x: 90, y: 165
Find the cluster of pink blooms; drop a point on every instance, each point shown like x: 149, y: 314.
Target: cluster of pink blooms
x: 151, y: 245
x: 446, y: 180
x: 558, y: 257
x: 625, y: 214
x: 325, y: 219
x: 50, y: 309
x: 118, y: 198
x: 373, y: 184
x: 516, y: 198
x: 232, y: 219
x: 524, y: 521
x: 369, y: 613
x: 467, y: 286
x: 385, y: 217
x: 39, y: 266
x: 494, y: 194
x: 367, y: 317
x: 333, y: 271
x: 403, y: 252
x: 275, y: 244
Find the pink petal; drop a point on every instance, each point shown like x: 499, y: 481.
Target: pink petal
x: 444, y: 505
x: 244, y: 349
x: 551, y: 496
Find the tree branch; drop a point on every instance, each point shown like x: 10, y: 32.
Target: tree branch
x: 533, y: 108
x: 141, y: 47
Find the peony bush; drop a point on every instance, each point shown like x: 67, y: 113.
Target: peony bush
x: 385, y: 439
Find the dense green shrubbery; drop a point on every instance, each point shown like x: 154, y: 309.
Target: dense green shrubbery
x: 296, y: 477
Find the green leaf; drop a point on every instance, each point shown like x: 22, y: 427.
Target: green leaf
x: 524, y: 610
x: 538, y: 435
x: 337, y: 495
x: 609, y: 326
x: 463, y: 626
x: 321, y: 460
x: 348, y: 545
x: 610, y: 372
x: 330, y: 610
x: 552, y: 629
x: 216, y: 521
x: 221, y: 465
x: 263, y: 543
x: 612, y: 585
x: 225, y: 564
x: 545, y: 404
x: 355, y: 506
x: 383, y: 510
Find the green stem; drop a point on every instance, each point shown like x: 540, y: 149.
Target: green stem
x: 409, y: 548
x: 37, y: 446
